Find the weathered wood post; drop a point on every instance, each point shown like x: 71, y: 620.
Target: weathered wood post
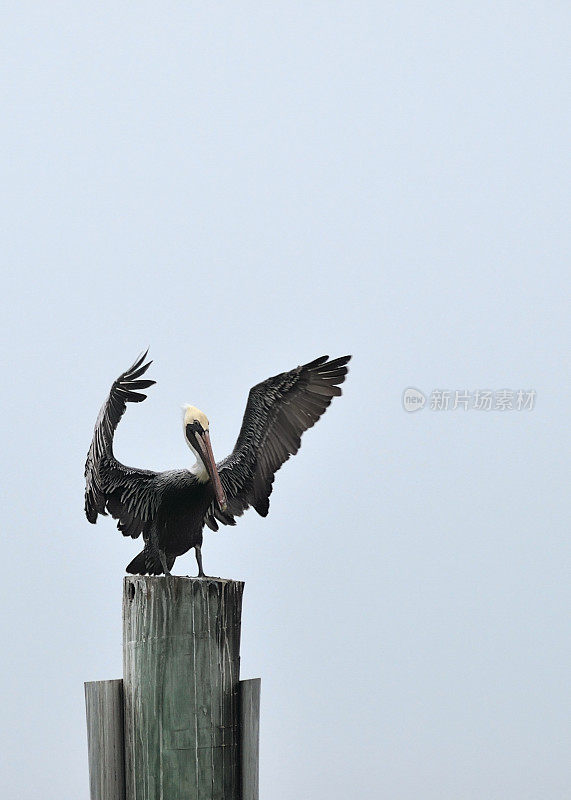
x: 250, y: 738
x: 105, y: 747
x: 180, y: 725
x: 181, y: 665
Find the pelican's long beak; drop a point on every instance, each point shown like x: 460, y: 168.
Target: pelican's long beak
x: 203, y: 440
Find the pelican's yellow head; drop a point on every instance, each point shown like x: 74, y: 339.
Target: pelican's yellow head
x: 193, y: 414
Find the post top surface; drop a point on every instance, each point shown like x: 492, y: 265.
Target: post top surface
x: 165, y: 579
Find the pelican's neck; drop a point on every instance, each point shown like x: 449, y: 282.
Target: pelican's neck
x: 198, y: 469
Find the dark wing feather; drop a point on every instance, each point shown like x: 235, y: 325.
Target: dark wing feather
x: 129, y: 495
x: 278, y: 411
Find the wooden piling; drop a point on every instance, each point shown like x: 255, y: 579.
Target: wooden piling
x: 181, y: 660
x: 249, y: 738
x: 104, y: 710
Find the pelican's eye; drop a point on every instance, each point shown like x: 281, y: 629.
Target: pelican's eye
x: 194, y: 427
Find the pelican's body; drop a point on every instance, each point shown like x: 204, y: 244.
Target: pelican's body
x: 183, y: 501
x: 171, y: 508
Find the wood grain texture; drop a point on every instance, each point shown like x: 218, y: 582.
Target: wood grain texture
x: 104, y: 710
x: 181, y: 656
x: 250, y: 738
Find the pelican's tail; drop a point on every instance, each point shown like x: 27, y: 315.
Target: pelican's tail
x: 149, y: 563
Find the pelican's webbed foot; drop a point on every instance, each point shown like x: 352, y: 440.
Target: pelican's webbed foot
x: 164, y: 565
x: 198, y: 554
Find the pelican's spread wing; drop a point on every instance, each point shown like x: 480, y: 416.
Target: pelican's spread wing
x: 127, y: 494
x: 278, y: 411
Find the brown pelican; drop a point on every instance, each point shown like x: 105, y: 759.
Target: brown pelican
x: 170, y: 508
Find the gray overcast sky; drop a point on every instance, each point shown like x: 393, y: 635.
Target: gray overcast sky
x: 244, y: 187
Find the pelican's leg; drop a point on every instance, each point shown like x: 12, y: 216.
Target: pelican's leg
x: 199, y: 561
x: 163, y: 558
